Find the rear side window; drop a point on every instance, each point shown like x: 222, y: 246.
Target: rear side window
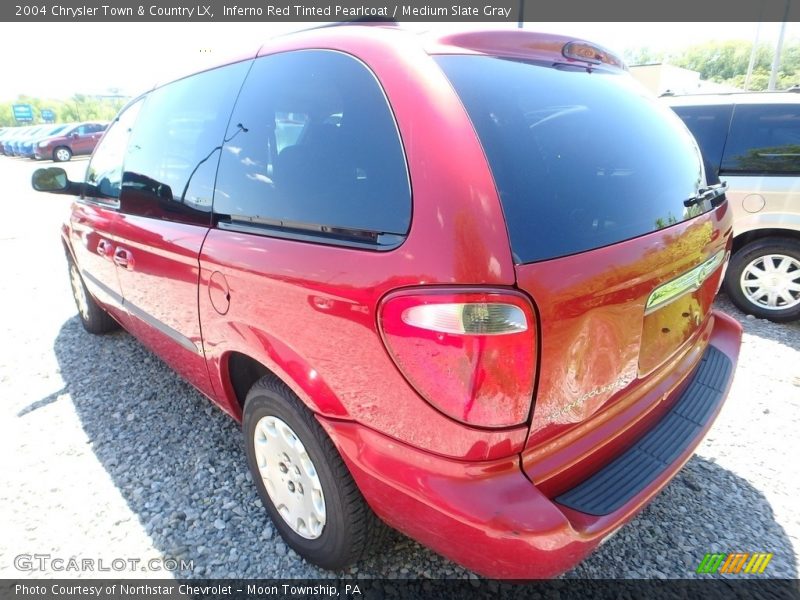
x: 580, y: 160
x: 764, y: 139
x: 709, y: 125
x: 174, y: 149
x: 312, y: 152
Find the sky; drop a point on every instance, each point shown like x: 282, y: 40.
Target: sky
x: 57, y: 60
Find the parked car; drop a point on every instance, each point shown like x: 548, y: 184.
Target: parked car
x: 79, y: 139
x: 5, y: 135
x: 467, y: 290
x: 10, y: 144
x: 27, y: 146
x: 752, y: 141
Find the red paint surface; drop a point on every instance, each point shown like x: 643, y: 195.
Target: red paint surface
x: 309, y: 313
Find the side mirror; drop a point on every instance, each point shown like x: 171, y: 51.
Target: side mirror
x: 55, y: 180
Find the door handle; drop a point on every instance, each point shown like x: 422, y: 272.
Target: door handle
x: 103, y: 246
x: 123, y: 258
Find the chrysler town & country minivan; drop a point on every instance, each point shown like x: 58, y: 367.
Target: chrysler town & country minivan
x: 461, y: 286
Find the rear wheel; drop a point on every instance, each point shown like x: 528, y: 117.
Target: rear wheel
x: 303, y: 482
x: 94, y: 319
x: 763, y: 279
x: 62, y: 154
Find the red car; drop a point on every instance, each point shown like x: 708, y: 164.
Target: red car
x: 78, y: 139
x: 464, y: 284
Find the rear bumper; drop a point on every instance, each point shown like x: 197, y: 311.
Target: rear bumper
x: 488, y: 516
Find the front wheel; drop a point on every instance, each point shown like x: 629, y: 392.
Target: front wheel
x: 94, y: 319
x: 763, y: 279
x: 62, y: 154
x: 303, y: 482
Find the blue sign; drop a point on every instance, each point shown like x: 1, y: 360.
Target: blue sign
x: 48, y: 115
x: 23, y: 112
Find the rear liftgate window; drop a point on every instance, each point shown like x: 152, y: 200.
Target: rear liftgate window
x: 580, y: 159
x: 313, y: 153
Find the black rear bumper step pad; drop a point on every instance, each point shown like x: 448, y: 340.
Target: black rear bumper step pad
x: 619, y: 481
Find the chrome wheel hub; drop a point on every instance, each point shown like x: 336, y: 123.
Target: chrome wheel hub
x: 772, y: 282
x: 290, y: 477
x: 62, y: 155
x: 78, y: 292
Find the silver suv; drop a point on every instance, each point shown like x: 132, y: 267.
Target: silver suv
x: 752, y: 141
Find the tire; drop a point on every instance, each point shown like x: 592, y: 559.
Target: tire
x: 779, y: 298
x: 62, y: 154
x: 349, y: 529
x: 94, y: 319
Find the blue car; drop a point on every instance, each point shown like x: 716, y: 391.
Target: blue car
x: 8, y: 140
x: 27, y: 146
x: 18, y: 141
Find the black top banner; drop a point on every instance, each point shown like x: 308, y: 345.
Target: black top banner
x: 508, y: 11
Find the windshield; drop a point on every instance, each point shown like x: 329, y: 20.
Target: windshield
x: 56, y: 130
x: 580, y: 159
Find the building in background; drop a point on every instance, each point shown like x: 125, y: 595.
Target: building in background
x: 661, y: 77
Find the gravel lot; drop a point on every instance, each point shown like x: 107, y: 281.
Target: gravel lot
x: 109, y: 454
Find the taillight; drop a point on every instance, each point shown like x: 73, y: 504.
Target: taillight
x: 470, y: 354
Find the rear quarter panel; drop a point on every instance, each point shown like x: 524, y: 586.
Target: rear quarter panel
x: 763, y: 202
x: 308, y: 311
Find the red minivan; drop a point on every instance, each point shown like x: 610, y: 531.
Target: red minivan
x: 462, y: 286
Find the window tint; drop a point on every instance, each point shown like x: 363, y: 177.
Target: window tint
x: 104, y: 174
x: 174, y: 149
x: 764, y: 139
x: 581, y: 160
x: 709, y: 125
x: 312, y: 150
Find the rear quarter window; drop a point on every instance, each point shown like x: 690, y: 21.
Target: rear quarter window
x: 580, y: 159
x: 709, y: 125
x: 764, y: 139
x: 313, y: 152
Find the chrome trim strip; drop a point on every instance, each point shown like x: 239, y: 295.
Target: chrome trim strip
x: 688, y: 282
x: 106, y: 290
x: 137, y: 312
x: 173, y: 334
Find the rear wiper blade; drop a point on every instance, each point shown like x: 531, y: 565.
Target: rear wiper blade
x: 711, y: 193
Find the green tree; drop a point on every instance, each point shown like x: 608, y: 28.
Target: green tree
x: 727, y: 62
x: 643, y: 56
x: 78, y: 108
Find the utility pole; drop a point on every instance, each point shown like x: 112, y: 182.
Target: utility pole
x: 752, y: 62
x: 776, y: 60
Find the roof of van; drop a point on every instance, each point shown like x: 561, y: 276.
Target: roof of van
x: 733, y: 98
